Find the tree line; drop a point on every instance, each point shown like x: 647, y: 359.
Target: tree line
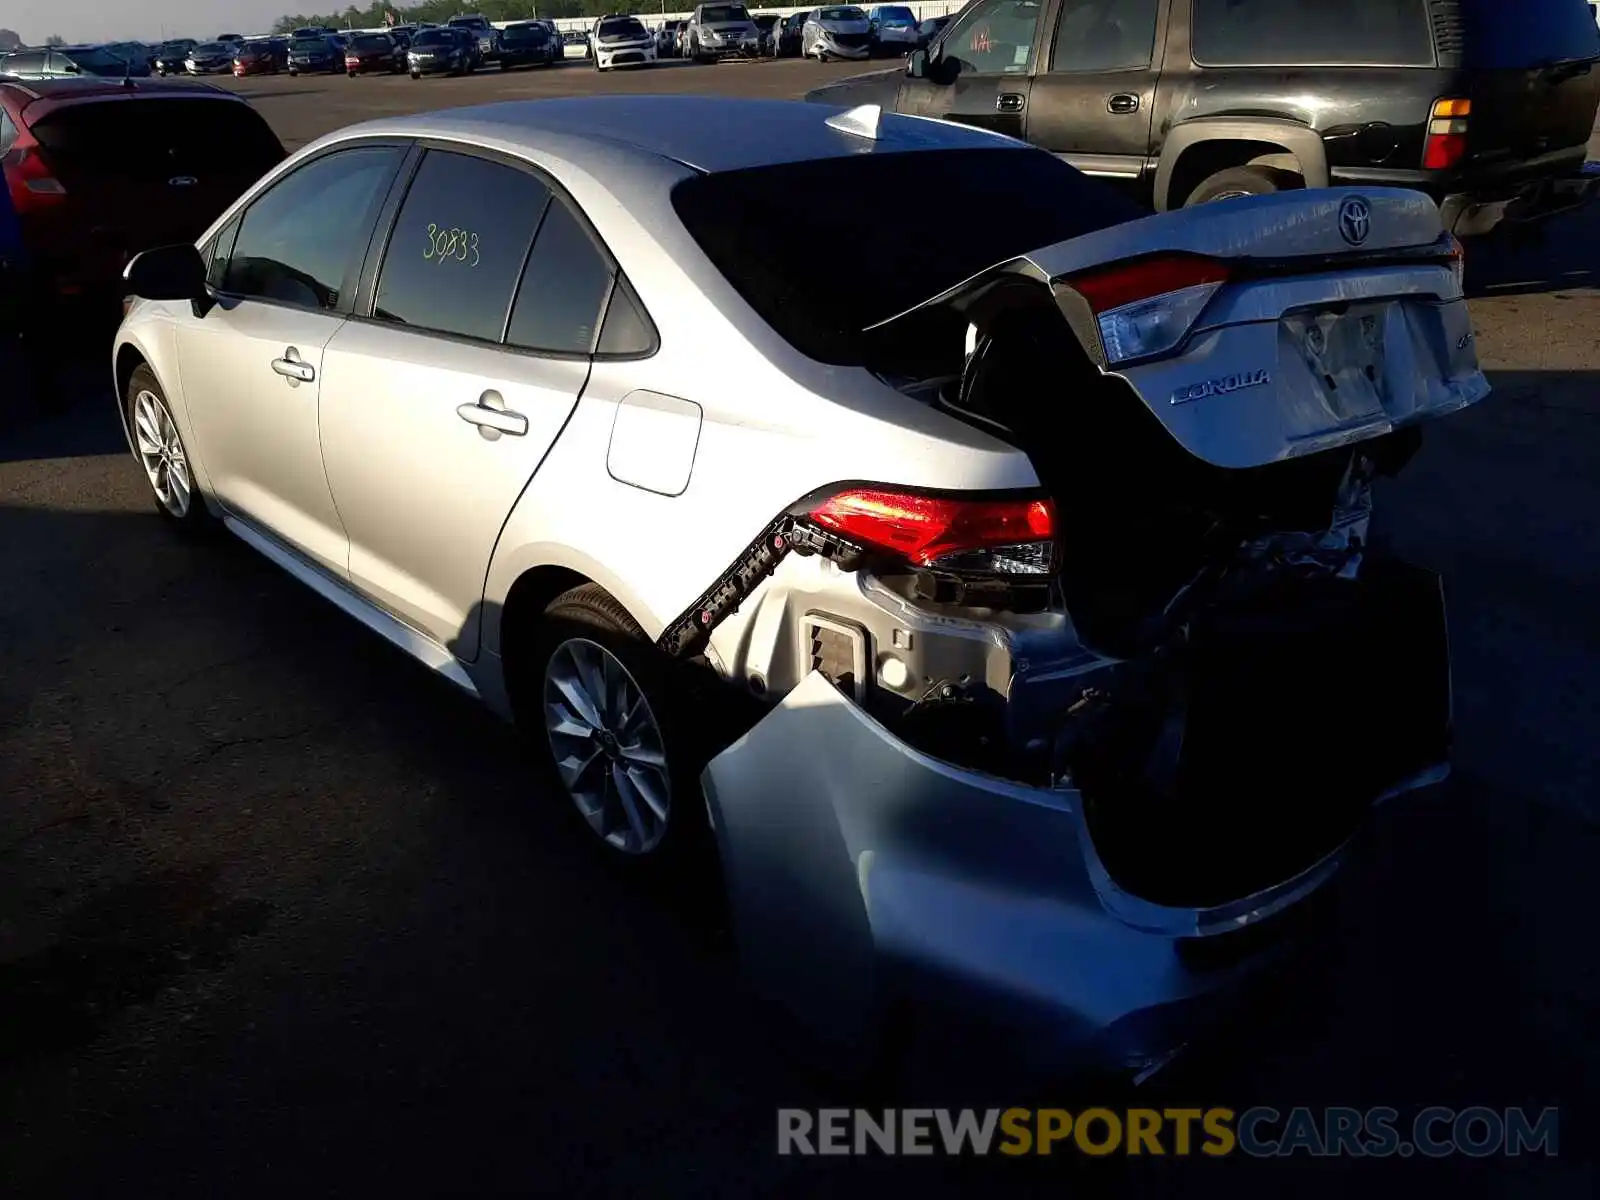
x: 496, y: 10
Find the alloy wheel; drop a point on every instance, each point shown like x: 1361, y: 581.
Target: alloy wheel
x: 161, y: 453
x: 607, y: 746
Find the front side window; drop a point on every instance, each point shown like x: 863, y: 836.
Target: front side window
x: 300, y: 238
x: 458, y: 246
x: 1288, y: 33
x: 90, y: 62
x: 994, y: 37
x: 1104, y: 35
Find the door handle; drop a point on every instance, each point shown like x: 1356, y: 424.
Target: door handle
x: 1008, y: 102
x: 1123, y: 102
x: 492, y: 417
x: 294, y: 368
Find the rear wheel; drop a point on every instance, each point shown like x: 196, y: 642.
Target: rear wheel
x: 416, y: 74
x: 1235, y: 182
x: 615, y: 737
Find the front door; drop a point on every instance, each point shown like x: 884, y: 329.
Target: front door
x: 438, y: 407
x: 252, y: 365
x: 979, y: 71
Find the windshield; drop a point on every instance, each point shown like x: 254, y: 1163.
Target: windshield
x: 713, y: 14
x: 799, y: 293
x: 896, y: 16
x: 432, y: 37
x: 841, y: 14
x: 627, y: 27
x: 173, y: 48
x: 310, y: 45
x: 372, y: 41
x: 212, y: 48
x: 468, y: 22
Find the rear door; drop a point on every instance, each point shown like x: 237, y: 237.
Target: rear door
x: 439, y: 403
x: 149, y: 170
x: 1093, y: 94
x: 981, y: 69
x: 1532, y: 75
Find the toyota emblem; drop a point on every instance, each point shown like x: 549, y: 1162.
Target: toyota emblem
x: 1355, y: 219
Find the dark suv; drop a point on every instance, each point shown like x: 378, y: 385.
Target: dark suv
x: 1485, y: 105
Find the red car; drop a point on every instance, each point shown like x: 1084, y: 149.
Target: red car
x: 260, y: 58
x: 370, y: 52
x: 100, y: 169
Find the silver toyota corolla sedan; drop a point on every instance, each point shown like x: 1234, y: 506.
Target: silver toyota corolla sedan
x: 1005, y: 615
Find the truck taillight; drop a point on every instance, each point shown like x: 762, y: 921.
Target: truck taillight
x: 1447, y: 134
x: 29, y: 179
x: 1001, y: 536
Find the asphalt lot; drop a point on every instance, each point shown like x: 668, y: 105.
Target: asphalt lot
x: 279, y: 915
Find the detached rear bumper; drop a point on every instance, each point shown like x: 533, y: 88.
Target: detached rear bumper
x: 864, y: 875
x: 1474, y: 214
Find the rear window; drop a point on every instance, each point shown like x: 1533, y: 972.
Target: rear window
x: 159, y: 138
x: 1289, y: 33
x: 1528, y: 33
x: 796, y: 287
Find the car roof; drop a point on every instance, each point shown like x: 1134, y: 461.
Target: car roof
x: 709, y: 133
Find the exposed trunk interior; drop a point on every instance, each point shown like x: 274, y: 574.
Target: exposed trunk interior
x: 1273, y: 678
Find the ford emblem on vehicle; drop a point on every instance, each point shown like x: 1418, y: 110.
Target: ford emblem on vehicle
x: 1220, y: 386
x: 1355, y: 219
x: 182, y: 181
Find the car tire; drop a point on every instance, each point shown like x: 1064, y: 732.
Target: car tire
x: 642, y: 811
x: 504, y: 66
x: 350, y: 74
x: 416, y: 74
x: 1236, y: 182
x: 294, y: 74
x: 160, y: 451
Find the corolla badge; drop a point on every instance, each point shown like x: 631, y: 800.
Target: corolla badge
x: 1355, y: 219
x: 1220, y: 386
x: 182, y: 181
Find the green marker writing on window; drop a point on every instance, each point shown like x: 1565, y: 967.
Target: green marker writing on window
x: 452, y: 245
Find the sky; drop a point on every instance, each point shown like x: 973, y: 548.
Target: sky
x: 115, y: 20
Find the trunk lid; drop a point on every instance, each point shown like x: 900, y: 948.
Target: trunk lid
x: 1532, y: 72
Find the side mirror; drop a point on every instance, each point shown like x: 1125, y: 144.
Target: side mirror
x: 73, y: 68
x: 917, y: 64
x: 166, y: 273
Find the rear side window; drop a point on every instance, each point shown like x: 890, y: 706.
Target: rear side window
x: 1038, y: 201
x: 1292, y: 33
x: 156, y: 139
x: 29, y: 62
x: 300, y: 238
x: 1527, y: 33
x: 563, y: 289
x: 8, y: 131
x: 458, y: 246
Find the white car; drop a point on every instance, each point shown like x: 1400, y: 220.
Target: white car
x: 838, y: 31
x: 991, y: 613
x: 622, y: 42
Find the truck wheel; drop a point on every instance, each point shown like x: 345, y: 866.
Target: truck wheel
x: 1234, y: 182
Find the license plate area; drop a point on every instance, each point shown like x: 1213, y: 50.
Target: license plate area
x: 1344, y: 351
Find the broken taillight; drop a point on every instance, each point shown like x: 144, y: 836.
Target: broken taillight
x: 1008, y: 536
x: 1145, y: 306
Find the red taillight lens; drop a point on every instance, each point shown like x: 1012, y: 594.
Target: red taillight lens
x: 29, y: 179
x: 1123, y: 283
x: 1008, y: 537
x: 1444, y: 150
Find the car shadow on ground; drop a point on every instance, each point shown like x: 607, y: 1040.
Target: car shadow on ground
x: 1555, y: 256
x: 276, y: 904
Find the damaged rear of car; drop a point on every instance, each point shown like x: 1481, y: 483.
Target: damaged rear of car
x: 1058, y: 748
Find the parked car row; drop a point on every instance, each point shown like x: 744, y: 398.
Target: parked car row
x: 716, y: 31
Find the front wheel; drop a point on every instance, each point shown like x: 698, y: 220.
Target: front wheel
x: 294, y: 74
x: 159, y: 447
x: 416, y: 74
